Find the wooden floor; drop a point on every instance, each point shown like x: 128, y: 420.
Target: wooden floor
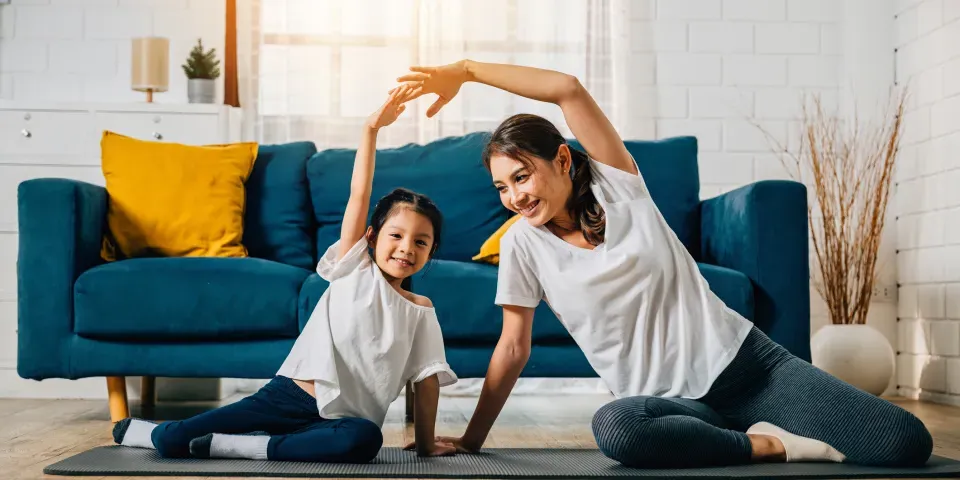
x: 36, y: 433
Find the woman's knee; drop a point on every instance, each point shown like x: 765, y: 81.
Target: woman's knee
x: 910, y: 444
x: 618, y: 430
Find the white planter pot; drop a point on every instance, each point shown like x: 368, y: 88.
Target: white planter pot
x: 857, y: 354
x: 201, y: 90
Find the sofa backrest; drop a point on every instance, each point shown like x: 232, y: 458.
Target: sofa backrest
x: 449, y: 171
x: 278, y: 221
x: 296, y: 195
x: 669, y: 169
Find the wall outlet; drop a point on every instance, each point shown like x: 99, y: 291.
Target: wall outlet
x: 884, y: 293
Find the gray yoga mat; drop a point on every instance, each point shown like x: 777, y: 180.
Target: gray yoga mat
x: 493, y: 463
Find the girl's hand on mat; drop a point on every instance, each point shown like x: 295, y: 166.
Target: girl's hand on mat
x: 445, y: 81
x: 457, y: 442
x: 438, y: 449
x: 391, y: 109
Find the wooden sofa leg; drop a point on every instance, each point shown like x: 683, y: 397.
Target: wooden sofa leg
x: 117, y: 394
x: 409, y: 398
x: 148, y: 392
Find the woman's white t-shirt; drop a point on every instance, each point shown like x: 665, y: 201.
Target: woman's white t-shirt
x: 636, y: 305
x: 364, y: 340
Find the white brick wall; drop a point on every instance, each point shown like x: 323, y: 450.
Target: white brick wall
x: 79, y: 50
x: 720, y: 62
x: 928, y: 200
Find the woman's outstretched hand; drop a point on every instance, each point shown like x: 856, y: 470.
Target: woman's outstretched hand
x: 445, y: 81
x: 392, y: 108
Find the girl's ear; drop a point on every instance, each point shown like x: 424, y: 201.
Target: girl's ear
x: 371, y: 240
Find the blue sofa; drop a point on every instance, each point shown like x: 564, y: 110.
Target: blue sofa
x: 238, y: 317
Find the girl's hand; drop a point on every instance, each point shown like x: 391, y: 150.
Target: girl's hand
x: 445, y: 81
x: 392, y: 108
x: 456, y: 443
x: 438, y: 449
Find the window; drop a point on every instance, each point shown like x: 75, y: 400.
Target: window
x: 320, y: 67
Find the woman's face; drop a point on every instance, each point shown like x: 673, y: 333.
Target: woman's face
x: 536, y: 189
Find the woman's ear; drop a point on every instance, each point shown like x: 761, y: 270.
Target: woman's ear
x: 564, y: 159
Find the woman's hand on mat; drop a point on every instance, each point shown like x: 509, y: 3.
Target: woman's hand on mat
x: 445, y: 81
x: 392, y: 108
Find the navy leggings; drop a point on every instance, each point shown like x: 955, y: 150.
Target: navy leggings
x: 290, y: 416
x: 764, y: 383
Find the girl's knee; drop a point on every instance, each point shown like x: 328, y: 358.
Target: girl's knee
x: 168, y: 443
x: 363, y: 442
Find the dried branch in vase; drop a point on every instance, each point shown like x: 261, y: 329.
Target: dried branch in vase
x: 849, y: 166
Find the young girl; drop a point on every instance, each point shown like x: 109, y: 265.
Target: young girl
x: 365, y: 339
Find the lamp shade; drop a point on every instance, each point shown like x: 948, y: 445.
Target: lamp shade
x: 150, y: 64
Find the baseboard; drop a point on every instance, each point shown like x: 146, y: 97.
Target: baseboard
x: 933, y: 397
x: 95, y: 388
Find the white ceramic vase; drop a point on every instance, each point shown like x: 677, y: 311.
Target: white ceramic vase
x: 857, y: 354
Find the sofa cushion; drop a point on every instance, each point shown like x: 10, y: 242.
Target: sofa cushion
x: 463, y: 295
x: 449, y: 171
x: 188, y: 299
x: 279, y: 218
x: 733, y: 287
x: 669, y: 168
x: 174, y: 200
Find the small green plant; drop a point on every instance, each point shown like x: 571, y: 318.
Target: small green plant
x: 202, y: 64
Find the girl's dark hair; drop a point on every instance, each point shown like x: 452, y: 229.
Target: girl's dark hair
x: 404, y: 198
x: 524, y: 136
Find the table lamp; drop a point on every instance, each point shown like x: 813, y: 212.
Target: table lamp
x: 150, y: 63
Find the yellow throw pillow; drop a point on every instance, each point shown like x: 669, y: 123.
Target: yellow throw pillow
x: 174, y: 200
x: 490, y: 250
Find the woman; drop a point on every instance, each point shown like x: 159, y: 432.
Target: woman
x: 696, y: 383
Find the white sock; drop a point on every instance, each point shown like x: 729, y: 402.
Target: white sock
x: 138, y: 434
x: 799, y: 449
x: 239, y: 446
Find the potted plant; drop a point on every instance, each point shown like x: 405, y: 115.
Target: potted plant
x: 202, y: 69
x: 849, y: 165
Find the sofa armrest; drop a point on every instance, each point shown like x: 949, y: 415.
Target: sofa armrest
x: 761, y: 230
x: 60, y: 225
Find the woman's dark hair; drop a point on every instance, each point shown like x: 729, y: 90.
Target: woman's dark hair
x: 523, y: 136
x: 404, y: 198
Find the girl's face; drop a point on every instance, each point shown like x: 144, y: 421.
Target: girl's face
x: 539, y: 191
x: 403, y: 245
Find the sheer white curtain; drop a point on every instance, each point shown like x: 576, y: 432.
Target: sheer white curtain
x: 314, y: 69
